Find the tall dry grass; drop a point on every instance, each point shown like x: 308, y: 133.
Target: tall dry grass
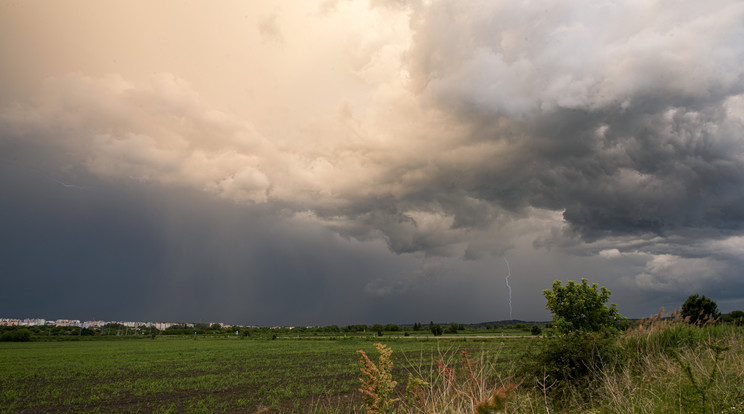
x: 664, y: 365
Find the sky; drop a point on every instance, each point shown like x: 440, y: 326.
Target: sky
x: 374, y: 161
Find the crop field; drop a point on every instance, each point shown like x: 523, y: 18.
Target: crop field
x: 212, y: 374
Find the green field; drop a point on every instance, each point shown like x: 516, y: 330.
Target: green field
x: 212, y: 374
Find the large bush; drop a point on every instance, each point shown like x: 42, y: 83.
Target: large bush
x: 698, y: 309
x: 582, y: 341
x: 16, y: 335
x: 581, y: 307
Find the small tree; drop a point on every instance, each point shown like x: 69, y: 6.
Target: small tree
x: 581, y: 307
x: 585, y: 341
x: 699, y: 308
x: 736, y: 317
x: 452, y: 328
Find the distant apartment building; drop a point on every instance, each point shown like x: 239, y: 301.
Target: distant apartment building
x: 98, y: 323
x: 9, y: 322
x: 21, y: 322
x: 67, y: 322
x: 161, y: 326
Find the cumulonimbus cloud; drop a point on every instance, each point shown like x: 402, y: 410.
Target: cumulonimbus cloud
x: 624, y: 117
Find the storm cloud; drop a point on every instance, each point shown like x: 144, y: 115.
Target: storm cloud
x: 396, y: 160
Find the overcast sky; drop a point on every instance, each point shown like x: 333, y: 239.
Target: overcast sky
x: 338, y: 162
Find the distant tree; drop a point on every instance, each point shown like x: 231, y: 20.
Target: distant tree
x: 736, y: 317
x: 699, y: 309
x: 416, y: 326
x: 489, y: 326
x: 16, y: 335
x: 391, y: 327
x: 536, y: 330
x: 452, y: 328
x: 736, y: 314
x: 376, y: 327
x: 436, y: 329
x: 580, y: 307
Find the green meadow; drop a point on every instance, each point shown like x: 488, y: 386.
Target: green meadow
x: 214, y: 374
x: 660, y: 365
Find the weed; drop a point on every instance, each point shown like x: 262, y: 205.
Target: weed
x: 701, y: 388
x: 377, y: 383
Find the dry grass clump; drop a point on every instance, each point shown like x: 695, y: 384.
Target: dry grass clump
x: 674, y: 366
x: 458, y: 383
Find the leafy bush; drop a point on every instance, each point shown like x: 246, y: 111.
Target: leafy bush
x: 583, y: 343
x: 571, y: 359
x: 452, y: 328
x: 581, y: 307
x: 16, y: 335
x: 698, y: 309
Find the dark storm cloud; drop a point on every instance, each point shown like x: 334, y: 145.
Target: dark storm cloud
x: 598, y: 137
x: 622, y: 136
x: 123, y: 251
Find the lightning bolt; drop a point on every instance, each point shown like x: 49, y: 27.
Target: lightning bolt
x: 508, y: 286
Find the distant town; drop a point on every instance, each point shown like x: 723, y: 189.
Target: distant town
x: 161, y: 326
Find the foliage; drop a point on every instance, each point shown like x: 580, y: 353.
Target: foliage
x: 16, y: 335
x: 661, y: 333
x: 435, y: 328
x: 377, y: 382
x: 583, y: 343
x: 391, y: 327
x: 571, y: 360
x: 452, y: 328
x: 736, y: 317
x: 673, y: 366
x: 581, y: 307
x: 737, y: 314
x: 698, y: 309
x: 536, y: 330
x: 701, y: 388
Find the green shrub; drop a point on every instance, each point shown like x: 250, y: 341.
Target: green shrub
x: 581, y: 307
x: 571, y: 359
x: 699, y: 309
x: 16, y: 335
x: 583, y: 344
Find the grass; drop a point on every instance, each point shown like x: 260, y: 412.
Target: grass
x: 206, y: 375
x: 663, y: 365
